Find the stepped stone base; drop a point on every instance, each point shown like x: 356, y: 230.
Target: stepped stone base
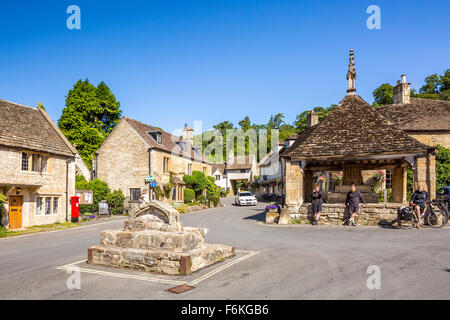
x: 160, y: 261
x: 373, y: 214
x: 154, y: 240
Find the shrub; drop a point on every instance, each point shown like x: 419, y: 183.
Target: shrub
x: 197, y: 181
x: 2, y: 207
x: 442, y: 167
x: 115, y: 201
x: 189, y: 195
x: 100, y: 190
x: 167, y: 189
x: 202, y: 199
x: 159, y: 194
x: 215, y: 200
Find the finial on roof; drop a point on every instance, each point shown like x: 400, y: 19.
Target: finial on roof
x: 351, y: 74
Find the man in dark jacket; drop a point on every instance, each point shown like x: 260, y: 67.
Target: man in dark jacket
x: 418, y: 200
x: 352, y: 202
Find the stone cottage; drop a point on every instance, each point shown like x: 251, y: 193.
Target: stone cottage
x: 135, y: 151
x: 271, y: 170
x: 355, y: 137
x: 240, y: 168
x: 426, y: 120
x: 37, y: 166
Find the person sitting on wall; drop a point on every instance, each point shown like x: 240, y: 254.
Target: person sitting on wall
x: 316, y: 202
x: 418, y: 200
x: 352, y: 202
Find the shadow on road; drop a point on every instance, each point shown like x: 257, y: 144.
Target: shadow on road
x: 258, y: 217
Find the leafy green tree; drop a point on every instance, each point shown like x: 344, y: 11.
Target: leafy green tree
x: 89, y: 116
x: 276, y: 121
x: 432, y: 84
x: 383, y: 95
x: 442, y: 167
x: 301, y: 122
x: 197, y: 181
x: 211, y: 187
x: 245, y: 124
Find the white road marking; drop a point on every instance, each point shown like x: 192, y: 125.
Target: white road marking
x: 63, y: 229
x: 226, y: 266
x: 70, y: 266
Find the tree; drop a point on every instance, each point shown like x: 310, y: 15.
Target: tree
x: 89, y: 116
x: 276, y: 121
x: 432, y: 84
x: 197, y: 181
x: 383, y: 95
x: 245, y: 124
x: 301, y: 122
x: 442, y: 167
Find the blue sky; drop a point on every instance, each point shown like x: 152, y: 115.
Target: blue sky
x: 171, y: 62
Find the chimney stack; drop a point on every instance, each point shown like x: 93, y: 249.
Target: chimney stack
x: 313, y: 119
x: 188, y: 134
x: 402, y: 91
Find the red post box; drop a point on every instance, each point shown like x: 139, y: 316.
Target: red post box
x: 75, y: 202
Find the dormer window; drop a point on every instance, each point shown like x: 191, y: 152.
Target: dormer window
x: 156, y: 135
x: 197, y: 150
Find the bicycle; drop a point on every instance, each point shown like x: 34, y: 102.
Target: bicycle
x: 435, y: 218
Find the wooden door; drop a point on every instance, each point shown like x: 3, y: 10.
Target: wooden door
x: 15, y: 212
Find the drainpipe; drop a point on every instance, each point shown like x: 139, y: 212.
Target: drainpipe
x: 150, y: 191
x: 67, y: 189
x: 96, y: 165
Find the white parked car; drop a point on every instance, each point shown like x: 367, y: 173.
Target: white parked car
x: 245, y: 198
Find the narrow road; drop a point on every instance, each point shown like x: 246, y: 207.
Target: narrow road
x: 294, y: 262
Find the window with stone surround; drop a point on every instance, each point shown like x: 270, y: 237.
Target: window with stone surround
x: 39, y: 162
x: 39, y: 203
x: 135, y: 194
x: 165, y: 165
x: 55, y: 205
x: 24, y: 161
x: 48, y: 205
x: 189, y: 169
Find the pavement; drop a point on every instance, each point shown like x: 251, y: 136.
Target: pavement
x: 272, y: 262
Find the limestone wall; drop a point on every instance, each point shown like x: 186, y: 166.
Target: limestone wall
x: 123, y: 161
x: 433, y: 138
x: 337, y: 213
x: 50, y: 184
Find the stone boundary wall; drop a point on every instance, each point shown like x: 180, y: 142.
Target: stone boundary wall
x: 336, y: 214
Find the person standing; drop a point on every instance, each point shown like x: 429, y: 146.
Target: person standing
x: 352, y: 203
x: 418, y: 200
x: 316, y: 202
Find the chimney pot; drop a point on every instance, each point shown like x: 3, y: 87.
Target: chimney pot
x: 188, y: 134
x: 402, y: 91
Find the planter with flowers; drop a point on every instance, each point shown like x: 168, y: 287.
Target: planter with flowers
x: 272, y: 213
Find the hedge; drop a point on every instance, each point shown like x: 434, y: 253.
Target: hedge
x: 189, y: 195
